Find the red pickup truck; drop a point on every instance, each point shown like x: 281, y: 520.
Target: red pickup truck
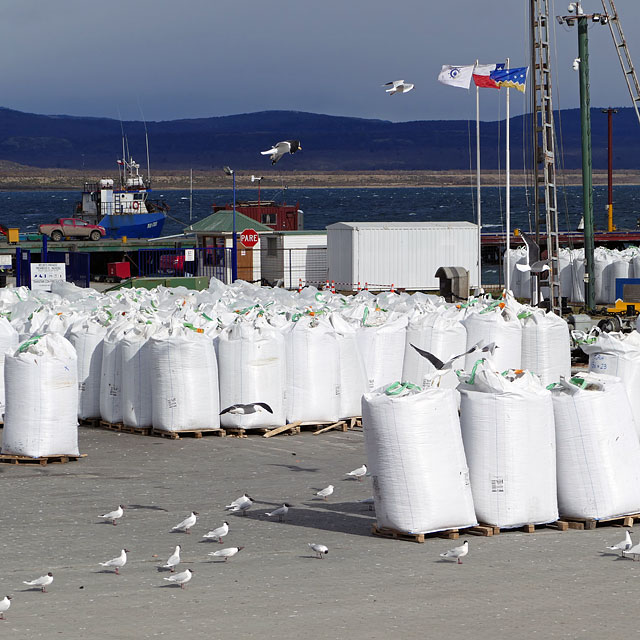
x: 72, y: 228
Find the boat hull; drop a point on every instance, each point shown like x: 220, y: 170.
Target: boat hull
x: 135, y: 225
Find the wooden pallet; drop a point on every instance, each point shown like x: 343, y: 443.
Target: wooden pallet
x: 8, y: 458
x: 89, y: 422
x: 188, y: 433
x: 382, y: 532
x: 240, y: 432
x: 592, y: 523
x: 124, y: 428
x: 491, y: 530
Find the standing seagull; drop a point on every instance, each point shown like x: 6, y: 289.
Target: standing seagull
x: 358, y: 473
x: 113, y: 515
x: 118, y: 562
x: 187, y: 523
x: 227, y: 553
x: 277, y: 151
x: 42, y: 583
x: 218, y: 533
x: 281, y: 512
x: 174, y: 560
x: 240, y: 504
x: 623, y: 546
x: 325, y: 493
x: 181, y: 578
x: 398, y: 86
x: 244, y: 409
x: 5, y: 603
x: 457, y: 552
x: 320, y: 550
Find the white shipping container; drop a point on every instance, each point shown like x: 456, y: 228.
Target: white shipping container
x: 404, y: 254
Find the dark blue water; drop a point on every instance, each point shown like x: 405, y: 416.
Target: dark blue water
x: 27, y: 209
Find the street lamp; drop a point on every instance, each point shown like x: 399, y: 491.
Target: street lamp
x: 234, y: 251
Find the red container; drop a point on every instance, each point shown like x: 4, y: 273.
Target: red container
x: 119, y: 269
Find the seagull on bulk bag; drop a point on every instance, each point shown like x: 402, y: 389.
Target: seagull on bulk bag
x: 174, y: 560
x: 246, y: 409
x: 325, y: 493
x: 181, y: 578
x: 113, y: 515
x: 281, y: 512
x: 457, y: 552
x: 320, y: 550
x: 358, y: 473
x: 187, y: 523
x: 623, y: 546
x: 41, y: 583
x: 218, y: 533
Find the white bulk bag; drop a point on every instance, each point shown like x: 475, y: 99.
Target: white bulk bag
x: 8, y: 344
x: 137, y: 402
x: 252, y: 368
x: 41, y: 413
x: 546, y: 345
x: 577, y: 269
x: 618, y: 354
x: 566, y: 273
x: 598, y: 451
x: 313, y: 376
x: 87, y: 338
x: 509, y: 440
x: 111, y: 373
x: 602, y: 259
x: 520, y: 281
x: 416, y: 458
x: 185, y: 381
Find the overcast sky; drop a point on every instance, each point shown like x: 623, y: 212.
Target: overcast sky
x: 174, y: 59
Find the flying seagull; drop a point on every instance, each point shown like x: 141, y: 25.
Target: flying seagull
x: 281, y: 512
x: 537, y: 267
x: 227, y: 553
x: 245, y: 409
x: 398, y: 86
x: 325, y: 493
x: 358, y: 473
x: 187, y: 523
x: 113, y: 515
x: 438, y: 364
x: 218, y: 533
x: 286, y: 146
x: 320, y: 549
x: 5, y: 603
x: 181, y: 578
x: 174, y: 560
x: 457, y: 552
x: 623, y: 546
x: 118, y: 562
x: 42, y: 583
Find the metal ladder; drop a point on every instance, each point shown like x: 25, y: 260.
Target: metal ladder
x: 544, y: 146
x: 623, y: 54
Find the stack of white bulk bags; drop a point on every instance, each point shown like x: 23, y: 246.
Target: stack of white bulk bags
x: 602, y: 259
x: 313, y: 376
x: 566, y: 273
x: 618, y: 354
x: 577, y: 270
x: 136, y: 397
x: 252, y: 368
x: 353, y: 378
x: 87, y: 338
x: 546, y: 345
x: 8, y: 344
x: 494, y: 323
x: 382, y: 347
x: 41, y: 413
x: 509, y: 440
x: 597, y: 448
x: 416, y: 458
x: 520, y: 281
x: 440, y: 333
x: 185, y: 380
x: 111, y: 373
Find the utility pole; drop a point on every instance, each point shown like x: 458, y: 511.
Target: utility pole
x: 610, y: 226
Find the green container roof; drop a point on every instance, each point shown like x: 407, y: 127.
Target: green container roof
x: 222, y: 222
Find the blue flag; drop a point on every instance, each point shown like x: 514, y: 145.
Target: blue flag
x: 513, y: 78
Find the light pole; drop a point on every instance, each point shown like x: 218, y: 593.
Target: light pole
x: 610, y: 112
x: 234, y: 250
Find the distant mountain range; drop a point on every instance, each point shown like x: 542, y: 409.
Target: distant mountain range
x: 329, y: 143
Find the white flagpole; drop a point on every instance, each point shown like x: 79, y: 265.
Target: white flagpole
x: 508, y: 194
x: 478, y: 185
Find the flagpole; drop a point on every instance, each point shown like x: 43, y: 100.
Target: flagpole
x: 478, y: 185
x: 508, y: 194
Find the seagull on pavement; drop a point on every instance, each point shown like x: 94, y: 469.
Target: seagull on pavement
x: 320, y: 550
x: 113, y: 515
x: 325, y: 493
x: 227, y: 553
x: 42, y: 582
x: 118, y: 562
x: 187, y: 523
x: 5, y: 603
x: 286, y: 146
x: 181, y: 578
x: 174, y: 560
x: 398, y: 86
x: 281, y: 512
x: 240, y: 504
x: 358, y: 473
x: 457, y: 552
x: 218, y: 533
x: 623, y: 546
x: 245, y: 409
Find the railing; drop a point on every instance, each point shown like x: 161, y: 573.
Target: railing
x: 211, y: 262
x: 306, y: 264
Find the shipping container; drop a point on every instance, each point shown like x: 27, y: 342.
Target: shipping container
x: 404, y: 254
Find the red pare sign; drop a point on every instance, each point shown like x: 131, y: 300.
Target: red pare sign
x: 249, y: 238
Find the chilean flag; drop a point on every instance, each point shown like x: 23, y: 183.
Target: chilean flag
x: 482, y: 75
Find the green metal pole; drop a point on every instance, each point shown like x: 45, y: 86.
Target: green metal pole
x: 587, y: 186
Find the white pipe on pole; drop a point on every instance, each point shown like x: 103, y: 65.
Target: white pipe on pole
x: 478, y: 185
x: 508, y: 194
